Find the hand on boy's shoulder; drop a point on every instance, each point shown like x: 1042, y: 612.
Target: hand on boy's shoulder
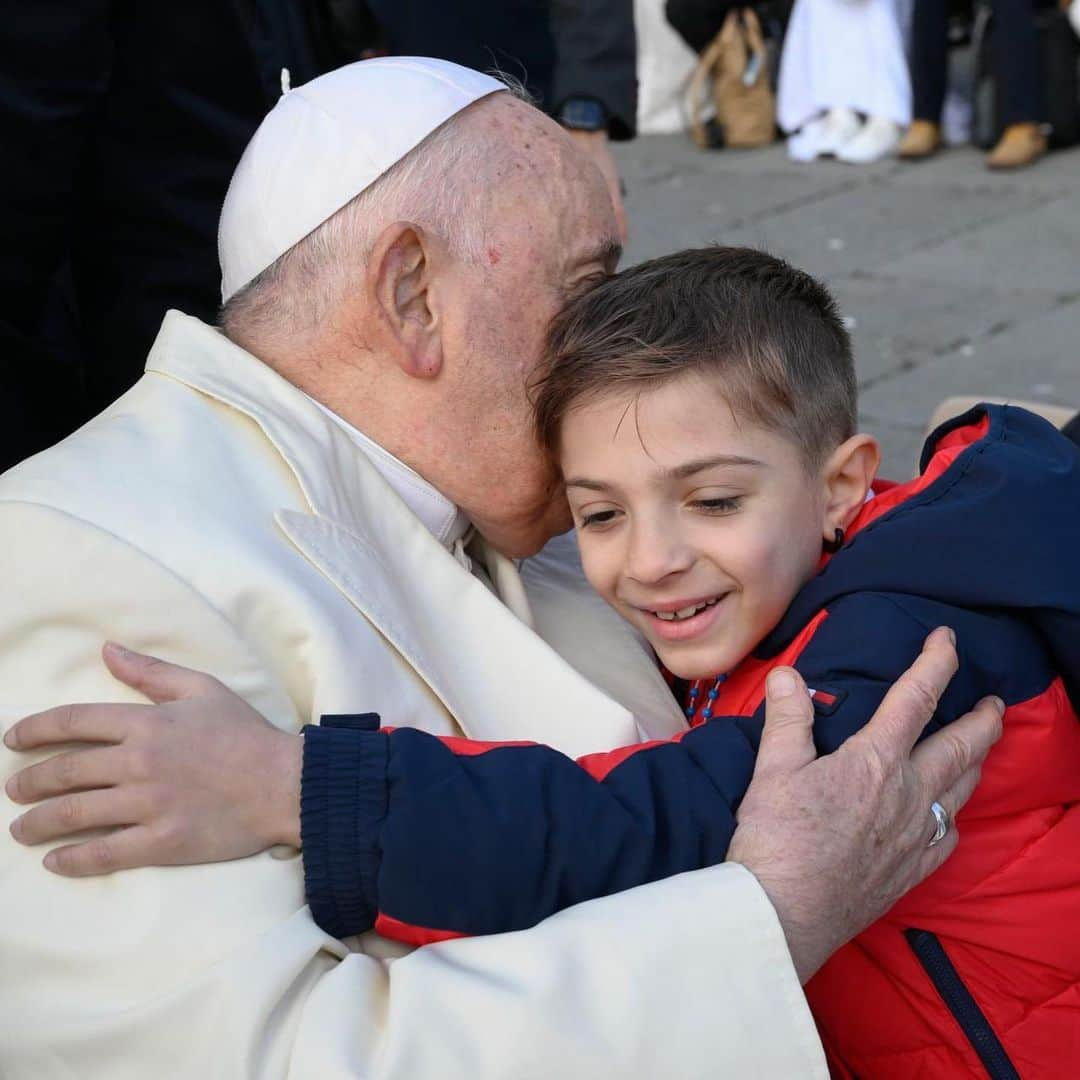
x: 810, y: 827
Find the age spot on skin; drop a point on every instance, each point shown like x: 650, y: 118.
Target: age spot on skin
x: 493, y: 256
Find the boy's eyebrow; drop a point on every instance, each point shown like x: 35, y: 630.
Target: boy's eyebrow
x: 688, y: 468
x: 679, y: 472
x: 584, y: 482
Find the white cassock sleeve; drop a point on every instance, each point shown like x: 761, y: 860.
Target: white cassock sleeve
x: 219, y: 971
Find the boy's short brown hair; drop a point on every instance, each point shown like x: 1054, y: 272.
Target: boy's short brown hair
x: 770, y: 333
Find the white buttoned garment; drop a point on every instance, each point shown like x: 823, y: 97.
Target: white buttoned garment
x: 215, y: 516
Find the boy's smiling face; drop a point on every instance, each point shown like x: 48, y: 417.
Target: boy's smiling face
x: 697, y: 526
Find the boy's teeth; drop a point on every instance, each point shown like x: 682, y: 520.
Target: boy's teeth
x: 683, y: 613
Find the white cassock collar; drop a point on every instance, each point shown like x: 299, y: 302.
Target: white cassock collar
x: 437, y: 513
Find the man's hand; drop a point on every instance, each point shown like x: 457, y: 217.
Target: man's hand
x: 836, y: 841
x: 596, y: 147
x: 202, y: 778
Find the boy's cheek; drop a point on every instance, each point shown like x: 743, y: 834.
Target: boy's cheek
x: 601, y: 569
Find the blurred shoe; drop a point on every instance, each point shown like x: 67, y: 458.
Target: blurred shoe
x: 1020, y: 145
x: 876, y: 138
x: 920, y: 141
x: 805, y: 144
x: 838, y: 128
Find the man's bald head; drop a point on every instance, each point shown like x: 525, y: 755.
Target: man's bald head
x: 418, y: 311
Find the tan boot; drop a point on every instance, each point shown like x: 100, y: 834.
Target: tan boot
x: 1019, y: 145
x: 920, y: 141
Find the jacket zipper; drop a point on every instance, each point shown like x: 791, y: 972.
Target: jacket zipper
x: 958, y: 1000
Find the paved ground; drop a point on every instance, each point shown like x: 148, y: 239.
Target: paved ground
x: 955, y: 279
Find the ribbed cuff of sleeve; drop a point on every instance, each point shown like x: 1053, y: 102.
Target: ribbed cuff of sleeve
x: 342, y: 807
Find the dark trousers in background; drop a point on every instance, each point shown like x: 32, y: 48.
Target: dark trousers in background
x: 121, y: 123
x: 557, y: 48
x: 512, y: 36
x: 698, y: 21
x: 1015, y: 54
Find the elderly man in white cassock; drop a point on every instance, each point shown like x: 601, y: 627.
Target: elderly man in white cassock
x: 320, y: 502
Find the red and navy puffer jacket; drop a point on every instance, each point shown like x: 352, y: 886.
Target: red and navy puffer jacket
x: 977, y: 970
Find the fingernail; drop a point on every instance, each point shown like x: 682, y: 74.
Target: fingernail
x: 117, y: 650
x: 999, y: 705
x: 780, y: 684
x: 11, y: 740
x: 952, y: 635
x: 15, y: 828
x: 49, y: 862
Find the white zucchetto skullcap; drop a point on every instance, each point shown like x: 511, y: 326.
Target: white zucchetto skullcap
x: 325, y: 142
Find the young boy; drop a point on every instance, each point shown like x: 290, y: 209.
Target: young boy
x: 702, y: 407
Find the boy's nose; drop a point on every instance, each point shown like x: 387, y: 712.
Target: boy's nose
x: 655, y: 553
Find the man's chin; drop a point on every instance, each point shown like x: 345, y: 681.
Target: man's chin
x: 521, y: 540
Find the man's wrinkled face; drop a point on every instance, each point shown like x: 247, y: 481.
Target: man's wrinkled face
x: 551, y: 231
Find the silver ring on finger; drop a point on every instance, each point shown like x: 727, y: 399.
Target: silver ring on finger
x: 941, y: 823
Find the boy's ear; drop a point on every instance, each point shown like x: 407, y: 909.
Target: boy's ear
x: 399, y: 278
x: 847, y: 475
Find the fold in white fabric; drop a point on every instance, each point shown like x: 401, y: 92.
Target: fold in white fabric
x: 444, y: 521
x: 437, y: 513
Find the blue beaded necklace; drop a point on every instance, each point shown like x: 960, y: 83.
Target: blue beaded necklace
x: 694, y: 693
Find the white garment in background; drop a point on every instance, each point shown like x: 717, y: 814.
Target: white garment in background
x: 664, y: 66
x: 843, y: 54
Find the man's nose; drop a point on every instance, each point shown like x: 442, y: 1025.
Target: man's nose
x: 655, y: 552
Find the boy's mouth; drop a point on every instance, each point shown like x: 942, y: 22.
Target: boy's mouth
x: 686, y: 612
x: 680, y: 624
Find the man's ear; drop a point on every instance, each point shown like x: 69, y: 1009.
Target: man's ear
x: 400, y: 274
x: 847, y: 475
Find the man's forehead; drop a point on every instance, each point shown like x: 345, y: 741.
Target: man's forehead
x: 564, y: 195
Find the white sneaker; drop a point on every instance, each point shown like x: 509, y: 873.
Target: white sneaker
x: 839, y: 127
x: 805, y: 144
x: 873, y: 141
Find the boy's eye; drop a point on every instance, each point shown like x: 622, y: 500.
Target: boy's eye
x: 598, y: 517
x: 719, y: 506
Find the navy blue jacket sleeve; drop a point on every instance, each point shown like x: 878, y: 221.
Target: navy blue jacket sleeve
x: 428, y: 838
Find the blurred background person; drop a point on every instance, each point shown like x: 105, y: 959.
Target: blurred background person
x: 121, y: 124
x: 1018, y: 72
x: 844, y: 89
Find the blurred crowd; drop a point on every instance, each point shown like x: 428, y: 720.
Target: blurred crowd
x: 858, y: 80
x: 123, y: 121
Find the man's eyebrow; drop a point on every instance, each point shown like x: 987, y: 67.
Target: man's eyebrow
x: 608, y: 253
